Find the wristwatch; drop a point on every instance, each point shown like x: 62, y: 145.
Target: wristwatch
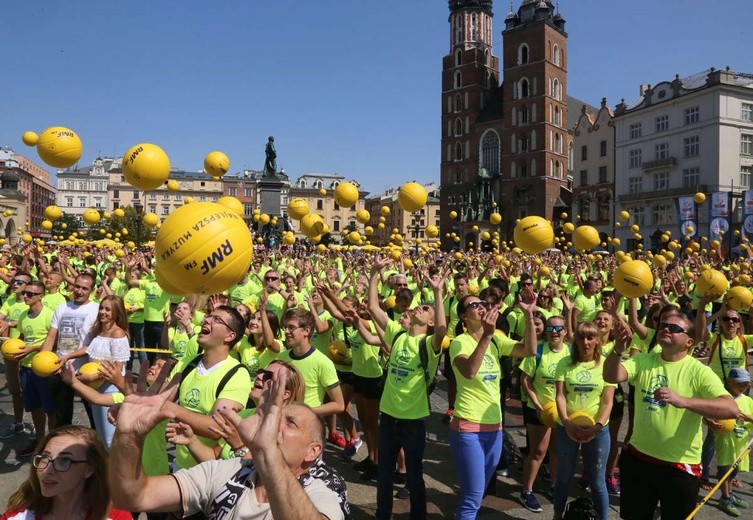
x: 240, y: 452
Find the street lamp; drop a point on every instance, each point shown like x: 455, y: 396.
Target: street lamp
x: 139, y: 208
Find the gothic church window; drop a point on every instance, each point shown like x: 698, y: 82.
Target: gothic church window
x: 490, y: 153
x: 522, y: 54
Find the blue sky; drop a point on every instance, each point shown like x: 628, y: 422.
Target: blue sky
x: 345, y: 86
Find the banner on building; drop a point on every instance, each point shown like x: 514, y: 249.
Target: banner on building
x: 687, y: 209
x: 719, y: 217
x: 748, y: 214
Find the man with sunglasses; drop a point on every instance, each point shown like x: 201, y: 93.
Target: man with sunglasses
x: 275, y: 299
x: 674, y: 391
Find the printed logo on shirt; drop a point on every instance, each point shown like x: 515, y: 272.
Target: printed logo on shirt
x: 657, y: 382
x: 488, y: 362
x: 584, y: 376
x: 193, y: 397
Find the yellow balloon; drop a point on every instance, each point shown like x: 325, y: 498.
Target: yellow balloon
x: 411, y: 197
x: 30, y: 138
x: 699, y: 197
x: 47, y: 225
x: 432, y: 231
x: 624, y: 215
x: 585, y: 238
x: 44, y: 363
x: 533, y: 234
x: 232, y: 204
x: 119, y: 213
x: 146, y: 166
x: 298, y: 208
x: 53, y: 212
x: 363, y: 216
x: 151, y: 220
x: 453, y: 214
x: 91, y: 216
x: 173, y: 185
x: 59, y: 147
x: 346, y: 194
x: 216, y: 164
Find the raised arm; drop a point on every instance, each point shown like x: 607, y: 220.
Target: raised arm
x: 380, y: 317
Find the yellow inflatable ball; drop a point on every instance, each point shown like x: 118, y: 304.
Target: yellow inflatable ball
x: 711, y: 283
x: 407, y: 263
x: 581, y: 418
x: 146, y: 166
x: 109, y: 235
x: 8, y: 212
x: 322, y: 192
x: 44, y: 363
x: 544, y: 271
x: 568, y: 228
x: 633, y: 279
x: 119, y: 213
x: 346, y: 194
x: 384, y: 210
x: 131, y: 244
x: 165, y: 284
x: 27, y: 238
x: 321, y: 248
x: 53, y: 212
x: 485, y: 235
x: 119, y: 253
x: 188, y: 200
x: 699, y: 198
x: 151, y: 220
x: 446, y: 342
x: 203, y: 248
x: 232, y: 204
x: 635, y: 228
x: 380, y: 225
x: 453, y: 214
x: 337, y: 351
x: 390, y: 301
x: 30, y: 138
x: 12, y: 347
x: 124, y: 231
x: 726, y: 425
x: 59, y: 147
x: 495, y: 218
x: 46, y: 225
x: 533, y: 234
x: 312, y: 225
x: 432, y: 231
x: 173, y: 185
x: 368, y: 231
x: 354, y: 237
x: 624, y: 215
x: 739, y: 298
x: 563, y: 215
x: 288, y: 239
x: 102, y: 231
x: 216, y: 164
x: 363, y: 216
x: 264, y: 218
x: 585, y: 238
x: 411, y: 197
x: 92, y: 368
x: 298, y: 208
x: 660, y: 261
x: 549, y: 415
x: 91, y: 216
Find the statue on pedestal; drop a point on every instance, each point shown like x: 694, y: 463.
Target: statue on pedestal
x: 270, y: 164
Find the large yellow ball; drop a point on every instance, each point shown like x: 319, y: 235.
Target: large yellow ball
x: 151, y: 220
x: 30, y: 138
x: 173, y: 185
x: 53, y: 212
x: 411, y: 197
x: 581, y: 418
x: 384, y: 210
x: 312, y: 225
x: 43, y: 363
x: 354, y: 237
x: 549, y: 414
x: 92, y: 368
x: 726, y: 425
x: 453, y: 214
x: 533, y: 234
x: 119, y: 213
x: 346, y: 194
x: 27, y: 238
x: 633, y: 279
x: 264, y: 219
x: 203, y: 248
x: 568, y: 227
x: 711, y: 283
x: 432, y: 231
x: 495, y: 218
x: 699, y: 198
x: 91, y: 216
x: 146, y: 166
x: 363, y: 216
x: 585, y: 238
x: 739, y: 298
x: 11, y: 347
x: 232, y: 204
x: 298, y: 208
x: 216, y: 164
x: 59, y: 147
x: 165, y: 284
x: 46, y: 224
x: 624, y: 215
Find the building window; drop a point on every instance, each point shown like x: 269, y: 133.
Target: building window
x: 458, y: 79
x: 490, y: 153
x: 336, y: 206
x: 603, y: 206
x: 556, y: 55
x: 635, y: 185
x: 556, y: 93
x: 635, y: 131
x: 247, y: 192
x: 635, y: 158
x: 165, y: 210
x: 82, y: 202
x: 232, y: 191
x: 692, y: 115
x: 458, y: 127
x: 135, y: 194
x: 202, y: 198
x: 248, y: 209
x: 152, y: 209
x: 662, y: 214
x: 584, y: 177
x: 458, y: 103
x: 691, y: 146
x: 97, y: 202
x: 661, y: 181
x: 602, y: 174
x: 662, y: 123
x: 458, y: 152
x: 523, y: 54
x: 639, y: 215
x: 691, y: 177
x: 523, y: 144
x: 319, y: 204
x: 215, y: 198
x: 178, y: 197
x: 745, y: 172
x: 523, y: 116
x: 152, y: 196
x: 746, y: 114
x: 584, y: 208
x: 557, y: 117
x: 584, y: 153
x: 746, y: 144
x: 336, y: 225
x: 82, y: 186
x: 523, y: 88
x: 458, y: 58
x: 603, y: 149
x: 69, y: 202
x: 115, y: 194
x: 557, y: 143
x: 661, y: 151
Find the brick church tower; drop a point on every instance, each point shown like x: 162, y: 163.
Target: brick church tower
x: 503, y: 145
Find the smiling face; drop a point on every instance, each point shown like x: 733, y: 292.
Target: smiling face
x: 82, y: 289
x: 106, y: 312
x: 604, y: 322
x: 215, y: 330
x: 69, y: 484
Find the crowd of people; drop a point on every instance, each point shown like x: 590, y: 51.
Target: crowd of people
x: 250, y: 385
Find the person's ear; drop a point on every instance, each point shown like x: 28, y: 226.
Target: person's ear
x: 313, y: 452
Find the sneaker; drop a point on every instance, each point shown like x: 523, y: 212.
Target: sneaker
x: 403, y: 493
x: 363, y: 465
x: 448, y: 416
x: 528, y: 499
x: 613, y: 485
x: 738, y: 502
x: 726, y: 505
x: 14, y: 429
x: 400, y: 478
x: 334, y: 438
x: 27, y: 450
x: 351, y: 448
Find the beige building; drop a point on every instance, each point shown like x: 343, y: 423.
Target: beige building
x: 411, y: 226
x: 30, y: 193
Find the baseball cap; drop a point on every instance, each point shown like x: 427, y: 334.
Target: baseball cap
x: 739, y: 375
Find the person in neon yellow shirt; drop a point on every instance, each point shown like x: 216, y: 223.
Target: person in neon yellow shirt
x: 674, y: 391
x: 476, y: 426
x: 582, y: 390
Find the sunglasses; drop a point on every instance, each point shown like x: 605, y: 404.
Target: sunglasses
x: 525, y: 284
x: 271, y: 278
x: 266, y: 375
x: 29, y: 294
x: 477, y: 304
x: 672, y: 327
x: 425, y: 308
x: 733, y: 319
x: 18, y: 281
x: 555, y: 328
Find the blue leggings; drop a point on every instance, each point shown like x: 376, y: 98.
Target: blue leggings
x: 476, y: 455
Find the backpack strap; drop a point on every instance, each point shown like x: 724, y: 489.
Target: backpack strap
x: 190, y: 367
x: 227, y: 377
x: 539, y: 355
x: 429, y: 378
x: 745, y: 350
x: 714, y: 346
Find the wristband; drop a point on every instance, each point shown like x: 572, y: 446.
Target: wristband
x: 601, y: 426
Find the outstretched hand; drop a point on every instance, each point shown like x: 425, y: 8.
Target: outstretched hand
x: 140, y: 413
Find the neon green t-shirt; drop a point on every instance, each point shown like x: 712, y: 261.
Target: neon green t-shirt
x: 365, y: 357
x: 661, y: 430
x: 478, y: 398
x: 51, y: 301
x: 156, y: 301
x: 34, y: 330
x: 179, y: 341
x: 275, y: 303
x: 320, y: 340
x: 730, y: 445
x: 318, y: 374
x: 404, y: 395
x: 253, y: 358
x: 134, y: 298
x: 154, y: 455
x: 542, y: 376
x: 239, y: 293
x: 586, y: 306
x: 731, y: 352
x: 584, y: 384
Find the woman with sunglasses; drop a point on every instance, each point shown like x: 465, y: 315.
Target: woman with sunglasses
x: 580, y: 388
x: 476, y: 426
x: 538, y: 385
x: 728, y: 349
x: 68, y: 479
